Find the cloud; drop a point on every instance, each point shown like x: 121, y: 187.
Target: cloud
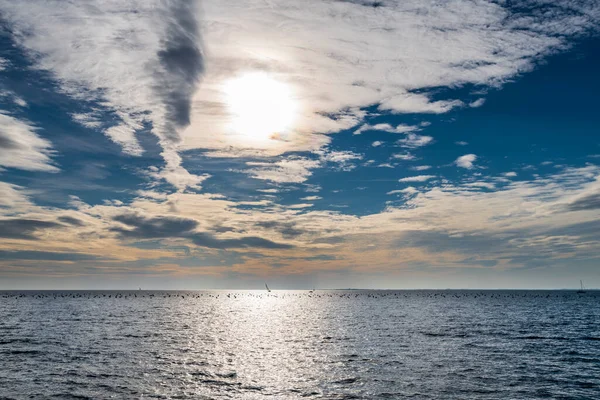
x: 71, y: 220
x: 404, y: 156
x: 311, y: 198
x: 23, y: 228
x: 485, y: 185
x: 340, y: 157
x: 377, y: 143
x: 590, y: 202
x: 343, y: 159
x: 588, y: 199
x: 391, y: 59
x: 410, y: 103
x: 22, y: 148
x: 5, y: 93
x: 182, y: 65
x: 466, y: 161
x: 139, y: 66
x: 290, y: 170
x: 207, y: 240
x: 146, y: 60
x: 288, y: 229
x: 89, y: 120
x: 409, y: 190
x: 299, y: 206
x: 384, y: 127
x: 13, y: 198
x: 46, y: 256
x: 413, y: 141
x: 461, y: 143
x: 438, y: 225
x: 157, y: 227
x: 418, y: 178
x: 165, y: 227
x: 124, y: 135
x: 421, y: 168
x: 477, y: 103
x: 138, y: 70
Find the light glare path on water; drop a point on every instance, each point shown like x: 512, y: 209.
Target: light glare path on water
x: 300, y: 345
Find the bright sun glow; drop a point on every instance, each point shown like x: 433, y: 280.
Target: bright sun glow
x: 261, y: 107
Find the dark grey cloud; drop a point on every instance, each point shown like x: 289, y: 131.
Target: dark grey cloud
x: 18, y: 228
x: 47, y: 256
x: 153, y: 228
x: 71, y: 221
x: 440, y: 241
x: 479, y: 262
x: 589, y: 230
x: 182, y: 61
x: 286, y: 229
x: 161, y: 227
x: 7, y: 143
x: 208, y: 240
x: 365, y: 3
x: 589, y: 202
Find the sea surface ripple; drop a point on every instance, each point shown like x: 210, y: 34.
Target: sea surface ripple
x: 423, y: 344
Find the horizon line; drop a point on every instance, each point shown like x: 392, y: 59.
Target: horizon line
x: 308, y: 289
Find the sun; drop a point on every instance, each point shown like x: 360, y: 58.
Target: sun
x: 261, y: 108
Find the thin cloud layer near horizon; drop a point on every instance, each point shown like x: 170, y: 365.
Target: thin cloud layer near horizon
x: 375, y: 144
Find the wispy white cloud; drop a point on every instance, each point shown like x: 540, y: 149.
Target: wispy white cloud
x: 290, y: 170
x: 477, y: 103
x: 439, y: 225
x: 13, y: 198
x: 417, y: 178
x: 343, y: 159
x: 22, y: 148
x: 300, y: 205
x: 89, y: 120
x: 124, y: 135
x: 404, y: 156
x: 409, y: 190
x: 139, y: 61
x: 421, y: 168
x: 485, y: 185
x: 4, y: 94
x: 413, y: 141
x: 402, y: 128
x: 466, y: 161
x: 128, y: 64
x: 335, y: 63
x: 340, y: 156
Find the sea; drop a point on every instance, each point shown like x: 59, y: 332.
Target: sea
x: 322, y: 344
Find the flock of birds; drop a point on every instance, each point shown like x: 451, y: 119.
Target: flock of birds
x: 347, y: 294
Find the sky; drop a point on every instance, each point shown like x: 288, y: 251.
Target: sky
x: 307, y: 144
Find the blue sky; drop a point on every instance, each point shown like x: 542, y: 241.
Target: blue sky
x: 209, y: 145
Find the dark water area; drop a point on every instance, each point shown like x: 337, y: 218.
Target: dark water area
x: 298, y: 345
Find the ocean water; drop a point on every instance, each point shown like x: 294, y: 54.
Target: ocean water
x: 300, y: 345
